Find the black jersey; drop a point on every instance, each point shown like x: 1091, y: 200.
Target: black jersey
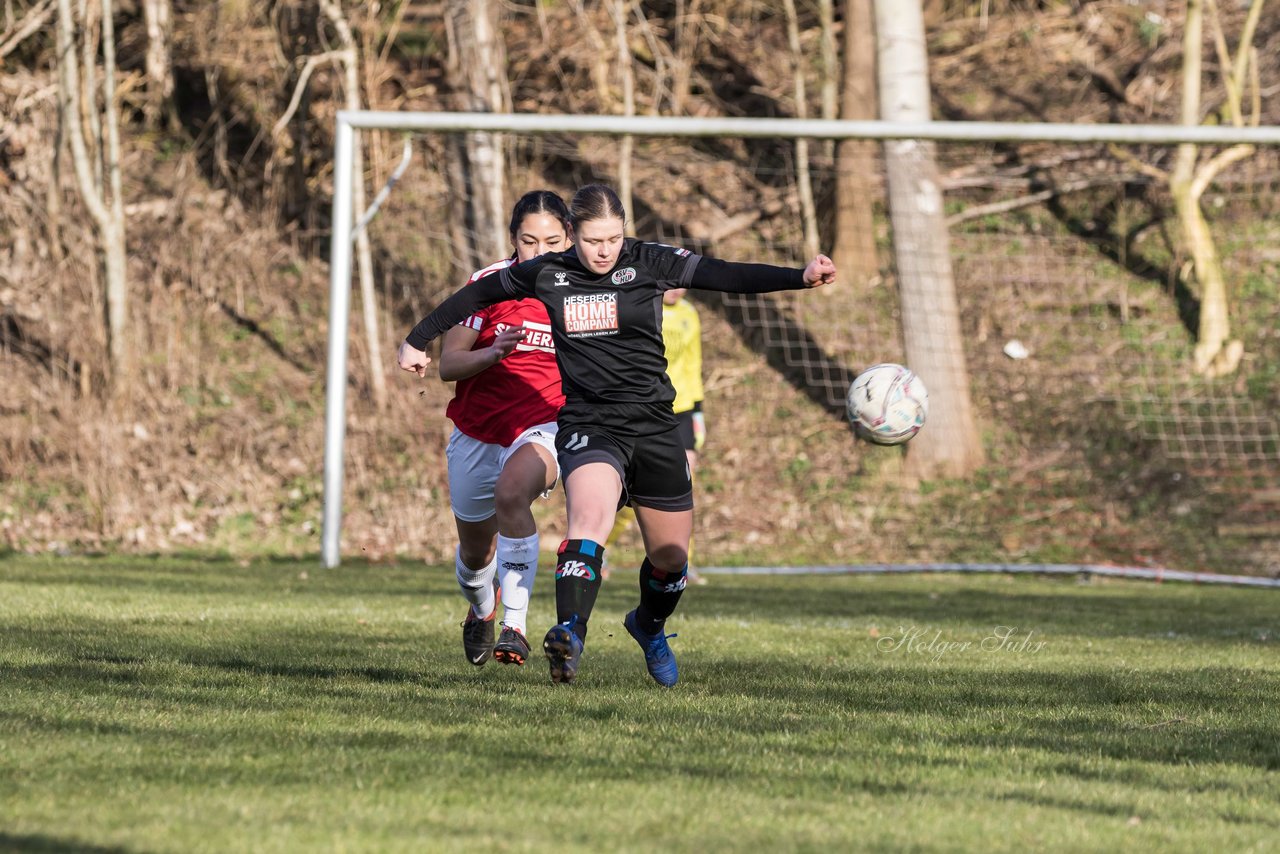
x: 607, y: 326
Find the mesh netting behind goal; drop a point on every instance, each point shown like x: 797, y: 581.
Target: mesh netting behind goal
x: 1078, y: 320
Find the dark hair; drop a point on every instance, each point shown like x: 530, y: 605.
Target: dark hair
x: 539, y: 202
x: 595, y: 201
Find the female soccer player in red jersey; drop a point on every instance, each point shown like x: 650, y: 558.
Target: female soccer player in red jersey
x: 502, y: 451
x: 618, y: 440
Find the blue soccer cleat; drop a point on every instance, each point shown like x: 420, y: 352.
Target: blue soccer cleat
x: 658, y: 656
x: 564, y: 649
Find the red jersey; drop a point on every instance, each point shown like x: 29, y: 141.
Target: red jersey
x: 523, y: 390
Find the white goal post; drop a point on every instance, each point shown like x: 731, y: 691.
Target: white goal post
x: 344, y: 218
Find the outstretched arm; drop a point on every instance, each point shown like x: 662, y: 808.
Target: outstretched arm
x: 712, y: 274
x: 412, y: 355
x: 458, y: 307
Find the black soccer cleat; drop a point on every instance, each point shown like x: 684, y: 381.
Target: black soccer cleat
x: 477, y: 635
x: 564, y: 649
x: 512, y: 647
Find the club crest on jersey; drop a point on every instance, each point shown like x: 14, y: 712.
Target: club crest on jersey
x: 575, y: 569
x: 623, y: 276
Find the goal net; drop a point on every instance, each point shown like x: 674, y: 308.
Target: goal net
x: 1079, y: 314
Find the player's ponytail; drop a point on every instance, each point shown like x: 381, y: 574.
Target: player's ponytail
x: 593, y: 202
x: 538, y: 202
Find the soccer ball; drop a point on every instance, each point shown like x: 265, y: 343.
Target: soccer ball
x: 887, y: 404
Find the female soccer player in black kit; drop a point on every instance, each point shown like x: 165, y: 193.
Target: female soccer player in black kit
x: 618, y: 440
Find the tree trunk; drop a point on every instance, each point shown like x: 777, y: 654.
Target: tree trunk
x: 804, y: 182
x: 599, y: 54
x: 159, y: 67
x: 364, y: 256
x: 949, y: 446
x: 89, y: 112
x: 113, y: 235
x: 115, y: 268
x: 627, y: 144
x: 1215, y: 353
x: 53, y: 195
x: 830, y: 87
x: 100, y: 192
x: 688, y: 18
x: 854, y: 246
x: 830, y: 61
x: 466, y: 260
x: 478, y: 74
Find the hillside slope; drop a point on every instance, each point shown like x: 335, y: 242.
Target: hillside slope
x: 219, y: 444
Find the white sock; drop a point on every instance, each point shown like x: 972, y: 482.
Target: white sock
x: 477, y: 585
x: 518, y: 563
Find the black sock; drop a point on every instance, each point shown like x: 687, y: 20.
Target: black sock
x: 659, y: 594
x: 577, y: 582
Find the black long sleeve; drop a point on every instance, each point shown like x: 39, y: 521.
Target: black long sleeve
x: 712, y: 274
x: 462, y: 304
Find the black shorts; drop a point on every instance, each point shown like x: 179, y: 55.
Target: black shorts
x: 684, y: 423
x: 640, y: 440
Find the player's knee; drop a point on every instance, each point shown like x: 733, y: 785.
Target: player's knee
x: 670, y: 557
x: 476, y: 552
x: 511, y: 501
x: 475, y: 558
x: 507, y: 501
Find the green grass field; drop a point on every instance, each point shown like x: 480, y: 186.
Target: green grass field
x: 203, y: 705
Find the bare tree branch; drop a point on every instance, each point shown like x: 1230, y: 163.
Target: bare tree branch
x: 307, y: 68
x: 1141, y: 165
x: 1006, y: 205
x: 1210, y: 169
x: 35, y: 19
x: 405, y: 159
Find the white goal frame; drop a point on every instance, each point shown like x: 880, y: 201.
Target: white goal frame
x: 344, y: 220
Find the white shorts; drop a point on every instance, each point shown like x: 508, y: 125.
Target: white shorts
x: 474, y: 467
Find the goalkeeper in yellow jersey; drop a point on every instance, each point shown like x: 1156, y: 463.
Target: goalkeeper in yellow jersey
x: 682, y: 336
